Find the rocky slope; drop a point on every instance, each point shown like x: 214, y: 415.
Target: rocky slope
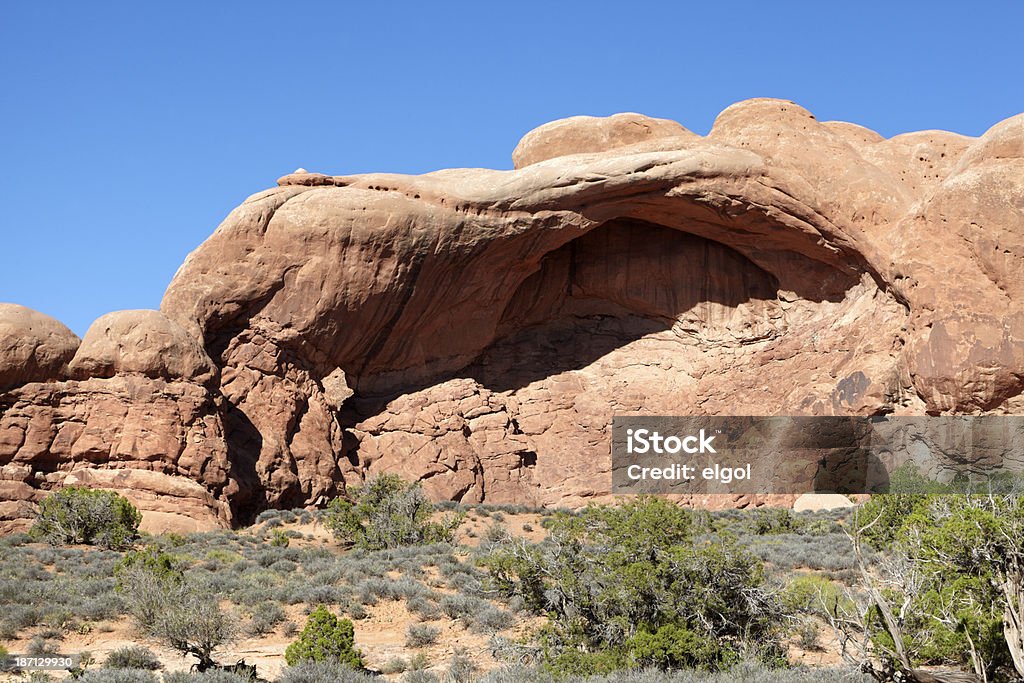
x: 477, y: 329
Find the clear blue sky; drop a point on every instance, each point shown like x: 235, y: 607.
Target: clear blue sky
x: 129, y: 130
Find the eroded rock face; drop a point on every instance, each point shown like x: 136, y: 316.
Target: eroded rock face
x: 477, y: 329
x: 159, y: 443
x: 132, y: 412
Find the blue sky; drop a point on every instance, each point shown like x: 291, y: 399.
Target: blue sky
x: 129, y: 130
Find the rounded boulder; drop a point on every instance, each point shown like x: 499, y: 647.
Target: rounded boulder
x: 143, y: 342
x: 33, y: 346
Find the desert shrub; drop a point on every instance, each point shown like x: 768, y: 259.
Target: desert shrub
x: 279, y: 539
x: 265, y: 617
x: 466, y: 582
x: 119, y: 676
x: 179, y: 612
x: 40, y: 646
x: 461, y: 669
x: 831, y: 552
x: 395, y: 665
x: 267, y: 515
x: 146, y: 578
x: 674, y: 646
x: 366, y: 596
x: 818, y: 527
x: 421, y: 635
x: 420, y: 676
x: 496, y: 533
x: 98, y: 607
x: 764, y: 521
x: 218, y: 558
x: 158, y: 563
x: 325, y: 638
x: 77, y: 514
x: 632, y: 582
x: 389, y: 589
x: 133, y: 657
x: 808, y: 635
x: 20, y: 616
x: 388, y: 513
x: 424, y: 608
x: 814, y: 594
x: 458, y: 606
x: 490, y: 619
x: 327, y: 595
x: 171, y: 539
x: 309, y: 671
x: 193, y: 623
x: 284, y: 567
x: 418, y: 662
x: 288, y: 517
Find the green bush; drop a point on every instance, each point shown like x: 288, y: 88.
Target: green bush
x: 676, y: 647
x: 279, y: 539
x: 77, y: 514
x: 766, y: 521
x: 325, y: 638
x: 133, y: 657
x: 388, y: 513
x: 815, y: 594
x: 968, y: 554
x: 630, y: 584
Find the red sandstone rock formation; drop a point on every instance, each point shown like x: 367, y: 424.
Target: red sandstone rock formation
x: 477, y: 329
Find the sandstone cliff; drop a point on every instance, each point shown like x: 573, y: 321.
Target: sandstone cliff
x: 477, y: 329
